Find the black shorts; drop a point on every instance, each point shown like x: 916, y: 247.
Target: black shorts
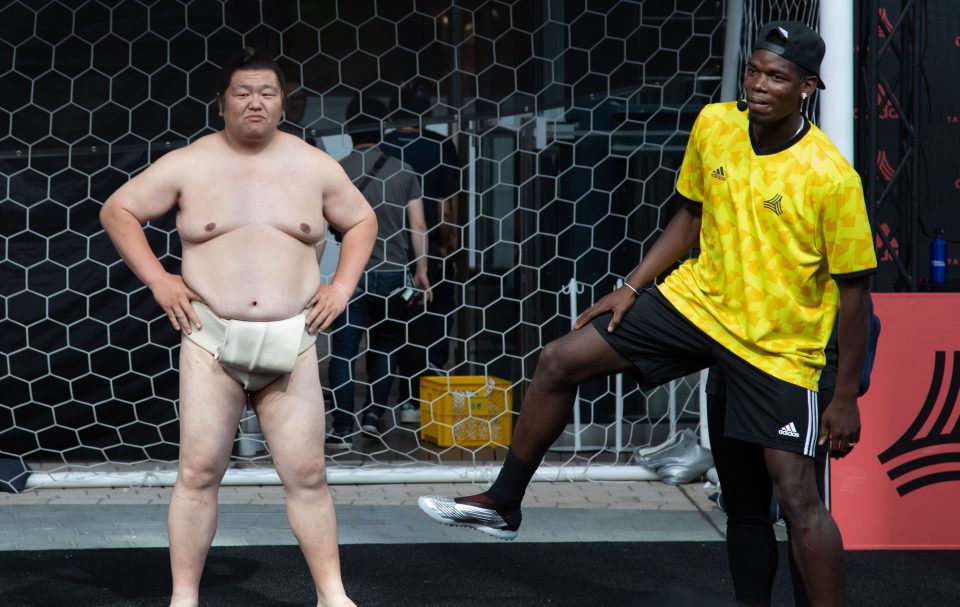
x: 663, y: 345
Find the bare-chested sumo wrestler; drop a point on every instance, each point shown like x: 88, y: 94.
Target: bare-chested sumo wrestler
x: 252, y: 206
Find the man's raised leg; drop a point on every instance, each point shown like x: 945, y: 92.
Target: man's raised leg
x: 564, y: 364
x: 291, y: 415
x: 211, y: 404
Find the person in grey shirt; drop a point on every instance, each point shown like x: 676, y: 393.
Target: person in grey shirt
x: 434, y: 159
x: 393, y: 191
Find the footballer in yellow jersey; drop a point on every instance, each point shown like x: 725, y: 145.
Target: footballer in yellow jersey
x: 785, y: 243
x: 777, y: 228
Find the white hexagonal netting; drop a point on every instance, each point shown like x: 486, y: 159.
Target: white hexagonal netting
x: 561, y: 125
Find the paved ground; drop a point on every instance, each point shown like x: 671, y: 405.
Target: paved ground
x: 629, y: 511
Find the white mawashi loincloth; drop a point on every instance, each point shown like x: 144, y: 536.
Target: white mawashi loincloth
x: 253, y: 353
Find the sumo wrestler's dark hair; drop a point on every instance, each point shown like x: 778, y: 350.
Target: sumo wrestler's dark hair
x: 248, y: 59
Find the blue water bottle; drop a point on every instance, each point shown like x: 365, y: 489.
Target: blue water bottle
x: 938, y: 258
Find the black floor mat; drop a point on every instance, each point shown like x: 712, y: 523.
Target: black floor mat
x: 650, y: 574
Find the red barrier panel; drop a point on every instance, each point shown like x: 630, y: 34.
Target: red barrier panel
x: 900, y: 488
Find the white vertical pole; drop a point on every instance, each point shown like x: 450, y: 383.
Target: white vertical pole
x: 702, y: 395
x: 672, y: 406
x: 618, y: 413
x: 836, y: 102
x: 826, y: 484
x: 618, y: 404
x: 572, y: 286
x: 540, y: 132
x: 731, y: 51
x: 472, y: 199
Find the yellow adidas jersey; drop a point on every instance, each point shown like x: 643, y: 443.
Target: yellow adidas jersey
x: 776, y: 227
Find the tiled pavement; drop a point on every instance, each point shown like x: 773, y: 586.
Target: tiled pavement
x: 627, y: 511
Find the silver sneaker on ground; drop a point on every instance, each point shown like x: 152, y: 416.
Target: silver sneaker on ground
x: 489, y: 519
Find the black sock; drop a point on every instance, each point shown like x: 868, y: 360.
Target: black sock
x: 512, y: 481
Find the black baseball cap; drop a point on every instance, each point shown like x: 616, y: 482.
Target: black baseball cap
x: 795, y: 42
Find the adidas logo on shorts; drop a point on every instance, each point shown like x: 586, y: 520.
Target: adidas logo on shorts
x: 789, y: 430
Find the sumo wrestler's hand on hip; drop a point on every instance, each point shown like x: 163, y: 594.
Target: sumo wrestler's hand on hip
x: 325, y: 306
x: 174, y: 296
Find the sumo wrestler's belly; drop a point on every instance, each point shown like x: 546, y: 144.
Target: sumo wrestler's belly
x: 256, y: 273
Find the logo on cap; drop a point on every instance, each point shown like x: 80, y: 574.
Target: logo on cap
x: 784, y: 33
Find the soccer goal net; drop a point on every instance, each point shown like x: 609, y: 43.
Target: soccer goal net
x: 567, y: 121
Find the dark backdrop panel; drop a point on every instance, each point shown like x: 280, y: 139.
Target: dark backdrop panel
x: 940, y: 134
x: 936, y: 120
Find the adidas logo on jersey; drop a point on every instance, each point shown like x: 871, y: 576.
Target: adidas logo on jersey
x: 789, y: 430
x: 719, y: 174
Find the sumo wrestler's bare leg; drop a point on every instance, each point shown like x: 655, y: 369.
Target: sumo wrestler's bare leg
x: 211, y: 404
x: 291, y: 416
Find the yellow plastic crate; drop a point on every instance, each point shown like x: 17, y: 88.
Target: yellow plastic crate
x: 466, y: 410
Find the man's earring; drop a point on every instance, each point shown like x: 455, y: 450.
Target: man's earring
x: 803, y: 95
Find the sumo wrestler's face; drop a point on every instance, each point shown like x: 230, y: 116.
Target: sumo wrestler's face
x: 252, y: 105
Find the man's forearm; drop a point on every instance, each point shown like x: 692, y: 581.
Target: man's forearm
x: 418, y: 233
x: 680, y: 235
x: 355, y: 251
x: 447, y: 230
x: 418, y: 240
x: 853, y: 333
x: 127, y: 236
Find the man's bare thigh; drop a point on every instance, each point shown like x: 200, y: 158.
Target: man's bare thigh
x: 204, y: 379
x: 211, y: 403
x: 291, y: 412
